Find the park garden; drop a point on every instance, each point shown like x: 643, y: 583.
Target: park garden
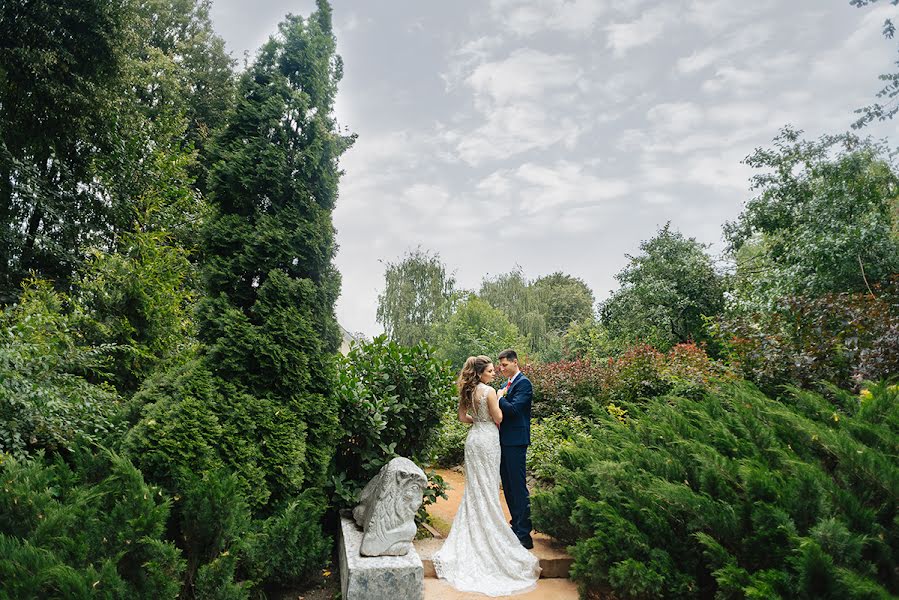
x: 176, y: 419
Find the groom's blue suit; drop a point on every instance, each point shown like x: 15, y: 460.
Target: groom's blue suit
x: 514, y: 438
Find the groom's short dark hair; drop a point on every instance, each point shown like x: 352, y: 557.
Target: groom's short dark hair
x: 508, y: 354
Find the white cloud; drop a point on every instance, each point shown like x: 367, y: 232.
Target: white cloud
x: 623, y: 37
x: 715, y: 16
x: 526, y: 101
x: 467, y: 56
x: 527, y: 17
x: 525, y: 73
x: 511, y: 130
x: 745, y: 39
x: 536, y: 189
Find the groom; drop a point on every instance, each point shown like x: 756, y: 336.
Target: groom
x: 514, y: 438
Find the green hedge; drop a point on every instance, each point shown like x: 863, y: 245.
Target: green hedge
x: 95, y: 530
x: 735, y: 495
x: 391, y: 400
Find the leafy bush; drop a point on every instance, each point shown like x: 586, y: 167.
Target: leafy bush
x: 665, y: 292
x: 230, y: 553
x: 733, y: 494
x: 46, y: 399
x: 448, y: 448
x: 139, y: 301
x: 564, y: 387
x: 548, y: 437
x: 189, y: 425
x: 634, y: 376
x: 842, y: 339
x: 391, y: 400
x: 579, y: 387
x: 93, y: 530
x: 236, y: 463
x: 475, y: 328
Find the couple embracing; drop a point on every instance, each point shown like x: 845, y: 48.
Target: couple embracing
x: 482, y: 552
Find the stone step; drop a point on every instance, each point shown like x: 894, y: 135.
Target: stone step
x: 554, y: 560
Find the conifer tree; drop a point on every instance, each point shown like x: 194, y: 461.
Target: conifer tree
x: 268, y: 321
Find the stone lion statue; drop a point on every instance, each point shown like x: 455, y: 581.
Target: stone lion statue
x: 387, y: 507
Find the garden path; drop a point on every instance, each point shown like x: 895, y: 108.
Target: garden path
x: 554, y: 584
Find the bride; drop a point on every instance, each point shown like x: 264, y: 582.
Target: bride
x: 481, y: 553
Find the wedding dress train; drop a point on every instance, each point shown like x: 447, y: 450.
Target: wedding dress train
x: 481, y: 553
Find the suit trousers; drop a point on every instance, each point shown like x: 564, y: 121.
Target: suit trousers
x: 513, y: 475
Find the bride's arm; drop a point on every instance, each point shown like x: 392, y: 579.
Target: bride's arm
x: 493, y: 406
x: 464, y: 416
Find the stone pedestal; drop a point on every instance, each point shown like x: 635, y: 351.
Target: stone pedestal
x: 376, y: 577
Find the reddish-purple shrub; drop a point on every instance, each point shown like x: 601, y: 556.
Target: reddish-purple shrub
x: 843, y: 339
x: 564, y: 387
x: 574, y: 387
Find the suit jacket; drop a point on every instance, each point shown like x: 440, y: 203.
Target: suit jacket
x: 515, y: 430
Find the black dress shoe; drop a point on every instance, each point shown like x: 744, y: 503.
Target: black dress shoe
x: 529, y: 544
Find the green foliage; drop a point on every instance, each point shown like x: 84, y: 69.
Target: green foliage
x: 59, y: 62
x: 477, y: 328
x: 192, y: 420
x: 140, y: 300
x: 824, y: 220
x: 548, y: 437
x: 448, y: 449
x: 515, y: 298
x: 734, y: 494
x: 101, y: 108
x: 542, y: 309
x: 665, y: 293
x: 108, y: 114
x: 46, y: 399
x: 589, y: 341
x: 564, y: 300
x: 267, y: 322
x: 391, y: 401
x: 291, y: 546
x: 181, y: 31
x: 215, y: 527
x: 565, y: 387
x: 418, y: 295
x: 880, y: 111
x: 95, y: 529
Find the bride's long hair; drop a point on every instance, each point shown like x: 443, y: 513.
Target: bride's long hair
x: 470, y: 377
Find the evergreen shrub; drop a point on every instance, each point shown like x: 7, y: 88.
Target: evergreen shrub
x: 733, y: 494
x: 548, y: 437
x: 95, y: 529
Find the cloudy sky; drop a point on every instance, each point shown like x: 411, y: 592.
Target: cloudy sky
x: 557, y: 134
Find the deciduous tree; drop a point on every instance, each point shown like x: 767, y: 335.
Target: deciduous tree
x: 418, y: 294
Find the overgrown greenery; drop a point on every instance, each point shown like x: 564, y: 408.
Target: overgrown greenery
x: 174, y: 421
x: 734, y: 494
x: 665, y: 293
x: 391, y: 399
x: 824, y: 221
x: 189, y: 322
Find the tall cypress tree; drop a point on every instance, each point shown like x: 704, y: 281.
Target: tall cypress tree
x: 268, y: 320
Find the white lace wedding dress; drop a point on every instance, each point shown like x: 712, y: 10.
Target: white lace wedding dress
x: 481, y: 553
